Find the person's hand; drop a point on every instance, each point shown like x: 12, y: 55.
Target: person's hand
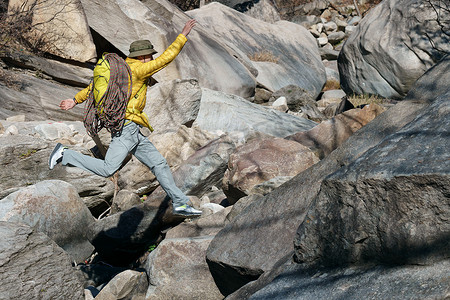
x: 188, y: 26
x: 67, y: 104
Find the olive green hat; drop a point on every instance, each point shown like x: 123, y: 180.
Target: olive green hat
x: 140, y: 48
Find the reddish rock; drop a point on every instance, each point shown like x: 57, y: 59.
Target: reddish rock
x: 330, y: 134
x: 261, y: 160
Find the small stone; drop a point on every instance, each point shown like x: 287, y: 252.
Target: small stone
x: 330, y: 27
x: 333, y: 94
x: 322, y: 40
x: 328, y: 46
x: 340, y: 24
x: 349, y: 29
x: 314, y: 32
x: 328, y: 54
x: 11, y: 130
x: 336, y: 37
x: 354, y: 21
x: 280, y: 104
x: 320, y: 27
x: 17, y: 118
x: 326, y: 14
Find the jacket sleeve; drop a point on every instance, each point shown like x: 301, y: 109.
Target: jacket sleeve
x: 149, y: 68
x: 82, y: 95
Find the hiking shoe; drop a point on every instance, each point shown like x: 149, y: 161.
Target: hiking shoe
x: 186, y: 211
x: 56, y: 156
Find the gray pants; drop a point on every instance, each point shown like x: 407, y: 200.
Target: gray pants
x: 130, y: 141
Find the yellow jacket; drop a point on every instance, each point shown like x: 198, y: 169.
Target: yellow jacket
x: 141, y: 72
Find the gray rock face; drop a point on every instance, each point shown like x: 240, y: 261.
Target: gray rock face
x: 64, y: 73
x: 436, y: 79
x: 192, y: 273
x: 393, y: 200
x: 392, y: 47
x: 203, y: 57
x: 381, y: 282
x: 237, y: 256
x: 121, y: 238
x: 37, y: 99
x: 290, y: 48
x: 260, y: 160
x: 237, y: 114
x: 54, y: 208
x: 33, y: 267
x: 204, y: 169
x: 174, y: 103
x: 24, y: 158
x: 64, y: 23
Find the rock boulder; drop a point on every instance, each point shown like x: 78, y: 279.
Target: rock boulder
x: 260, y: 160
x: 238, y: 115
x: 392, y: 202
x: 54, y: 208
x: 160, y: 22
x: 32, y: 266
x: 392, y: 47
x: 190, y: 277
x: 287, y: 52
x: 62, y: 27
x: 238, y: 256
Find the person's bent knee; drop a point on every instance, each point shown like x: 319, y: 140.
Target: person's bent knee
x: 160, y: 164
x: 109, y: 171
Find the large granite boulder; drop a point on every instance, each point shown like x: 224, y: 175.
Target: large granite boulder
x: 203, y: 57
x: 32, y: 266
x: 238, y: 256
x: 221, y: 112
x: 61, y: 27
x: 291, y: 52
x: 128, y: 284
x: 189, y: 279
x: 260, y: 160
x: 393, y: 46
x: 433, y: 85
x: 379, y: 282
x: 172, y: 104
x: 24, y: 157
x: 65, y: 73
x: 392, y: 202
x: 37, y: 99
x: 54, y: 208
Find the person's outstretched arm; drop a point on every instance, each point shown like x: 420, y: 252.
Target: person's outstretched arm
x: 80, y: 97
x: 188, y: 27
x: 149, y: 68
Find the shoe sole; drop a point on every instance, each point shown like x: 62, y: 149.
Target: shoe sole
x: 57, y: 147
x: 180, y: 214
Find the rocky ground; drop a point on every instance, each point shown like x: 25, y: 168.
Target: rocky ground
x: 304, y: 195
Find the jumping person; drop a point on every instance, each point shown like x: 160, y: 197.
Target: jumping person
x: 130, y: 140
